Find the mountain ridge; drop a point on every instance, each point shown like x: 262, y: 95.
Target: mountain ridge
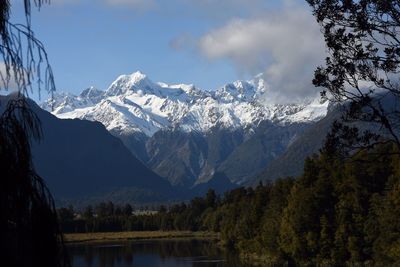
x: 187, y: 135
x: 138, y: 104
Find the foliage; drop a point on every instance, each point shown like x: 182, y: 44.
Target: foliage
x: 341, y: 211
x: 30, y: 234
x: 29, y: 231
x: 363, y: 64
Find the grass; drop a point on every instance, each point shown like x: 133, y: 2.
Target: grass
x: 138, y: 235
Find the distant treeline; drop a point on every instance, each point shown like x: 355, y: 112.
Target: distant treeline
x: 341, y: 211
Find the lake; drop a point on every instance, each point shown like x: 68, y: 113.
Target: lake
x: 152, y: 253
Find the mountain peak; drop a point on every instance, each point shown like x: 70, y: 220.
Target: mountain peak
x: 242, y: 90
x: 130, y: 83
x: 137, y: 77
x: 136, y: 103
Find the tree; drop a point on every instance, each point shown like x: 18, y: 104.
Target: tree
x: 30, y: 235
x: 386, y: 246
x: 101, y: 210
x: 118, y: 211
x: 211, y: 198
x: 88, y: 213
x: 109, y: 208
x: 65, y: 214
x: 29, y: 230
x: 127, y: 210
x: 363, y: 65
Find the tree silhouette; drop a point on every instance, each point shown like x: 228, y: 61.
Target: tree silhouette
x: 30, y: 235
x: 362, y: 69
x: 29, y: 230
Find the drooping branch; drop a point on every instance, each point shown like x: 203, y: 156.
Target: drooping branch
x: 29, y: 229
x: 25, y: 64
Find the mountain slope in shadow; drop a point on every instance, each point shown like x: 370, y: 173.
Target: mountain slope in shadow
x: 79, y: 158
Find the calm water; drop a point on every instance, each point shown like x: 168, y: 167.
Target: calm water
x: 158, y: 253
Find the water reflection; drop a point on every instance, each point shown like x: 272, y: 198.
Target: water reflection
x: 154, y: 253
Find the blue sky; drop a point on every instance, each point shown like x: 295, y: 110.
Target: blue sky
x: 204, y: 42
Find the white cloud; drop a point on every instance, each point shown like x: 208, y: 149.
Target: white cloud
x: 9, y: 85
x: 285, y: 46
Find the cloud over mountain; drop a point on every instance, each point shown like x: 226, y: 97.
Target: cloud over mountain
x: 285, y: 46
x: 280, y: 39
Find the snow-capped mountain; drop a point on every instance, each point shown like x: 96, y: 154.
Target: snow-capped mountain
x: 66, y: 102
x: 192, y: 136
x: 133, y: 103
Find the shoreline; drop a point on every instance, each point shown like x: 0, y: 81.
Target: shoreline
x: 116, y: 237
x: 87, y: 238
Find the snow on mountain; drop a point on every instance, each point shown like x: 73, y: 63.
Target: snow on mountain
x: 66, y: 102
x: 133, y: 103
